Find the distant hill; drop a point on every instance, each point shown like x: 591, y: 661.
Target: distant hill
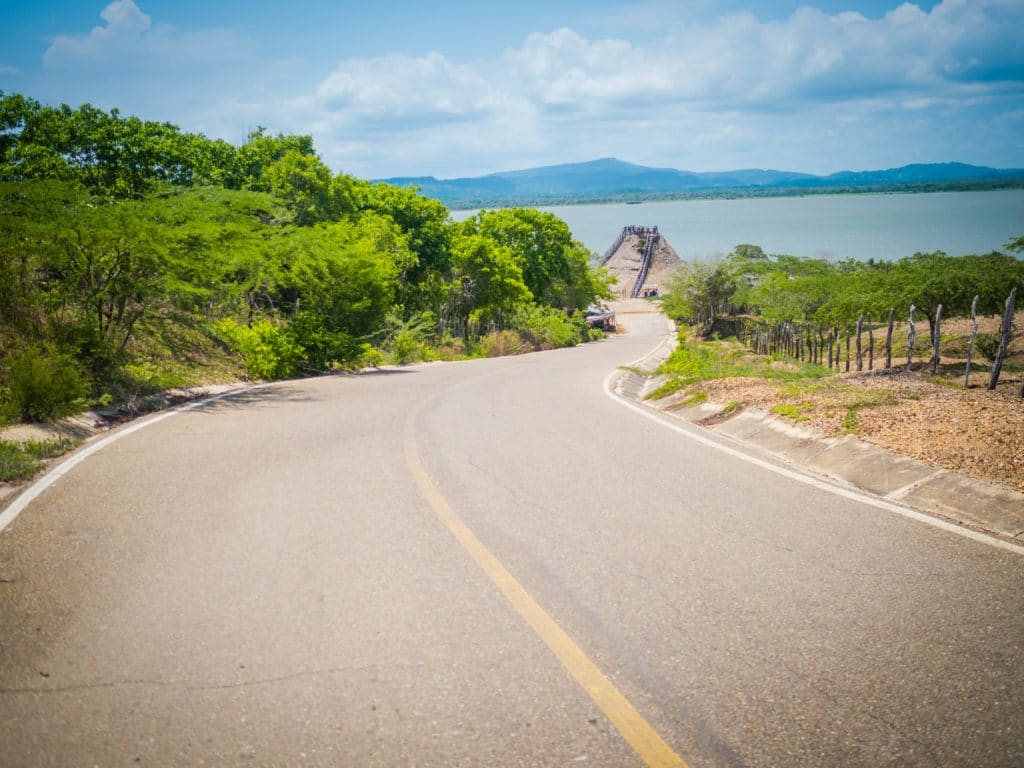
x: 609, y: 179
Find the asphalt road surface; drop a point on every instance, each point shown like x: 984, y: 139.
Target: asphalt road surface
x: 489, y: 563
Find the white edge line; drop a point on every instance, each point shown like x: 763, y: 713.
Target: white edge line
x: 847, y: 493
x: 46, y: 481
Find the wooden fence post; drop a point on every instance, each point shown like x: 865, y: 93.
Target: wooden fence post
x: 888, y: 338
x: 871, y: 344
x: 860, y: 356
x: 935, y: 339
x: 911, y: 335
x: 1007, y: 326
x: 970, y: 342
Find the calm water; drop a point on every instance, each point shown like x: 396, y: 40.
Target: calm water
x: 824, y: 226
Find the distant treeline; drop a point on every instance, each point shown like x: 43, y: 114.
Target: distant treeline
x: 802, y: 307
x: 786, y: 289
x: 132, y: 255
x: 739, y: 193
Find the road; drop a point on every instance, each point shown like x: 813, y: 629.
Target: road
x: 488, y: 563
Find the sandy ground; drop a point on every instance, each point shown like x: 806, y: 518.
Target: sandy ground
x: 970, y: 430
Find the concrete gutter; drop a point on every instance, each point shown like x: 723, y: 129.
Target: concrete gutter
x: 853, y: 463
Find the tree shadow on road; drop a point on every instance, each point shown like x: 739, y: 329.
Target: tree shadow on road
x: 297, y: 391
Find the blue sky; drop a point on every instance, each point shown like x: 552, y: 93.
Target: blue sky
x: 466, y: 88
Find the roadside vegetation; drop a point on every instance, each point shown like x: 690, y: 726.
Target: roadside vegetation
x: 937, y: 417
x: 695, y: 360
x: 19, y: 461
x: 135, y: 257
x: 750, y: 287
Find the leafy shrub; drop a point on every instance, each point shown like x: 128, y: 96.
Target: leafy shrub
x: 502, y: 343
x: 16, y: 463
x: 987, y: 345
x: 369, y: 357
x: 322, y: 348
x: 548, y: 328
x: 43, y: 385
x: 91, y: 348
x: 407, y: 348
x: 269, y: 351
x: 449, y: 347
x: 151, y: 375
x: 22, y: 461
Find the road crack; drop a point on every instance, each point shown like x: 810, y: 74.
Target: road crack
x: 181, y: 685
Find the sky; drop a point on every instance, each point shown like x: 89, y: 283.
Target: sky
x: 453, y: 88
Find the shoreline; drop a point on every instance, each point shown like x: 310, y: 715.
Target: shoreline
x: 703, y: 195
x: 881, y: 226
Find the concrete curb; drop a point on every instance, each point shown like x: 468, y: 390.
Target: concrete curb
x: 853, y: 463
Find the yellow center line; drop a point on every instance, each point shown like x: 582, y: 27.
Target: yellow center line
x: 637, y: 732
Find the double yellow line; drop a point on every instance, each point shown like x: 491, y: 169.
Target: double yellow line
x: 637, y: 732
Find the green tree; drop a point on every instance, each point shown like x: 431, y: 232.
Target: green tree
x: 105, y: 273
x: 929, y: 279
x: 346, y: 272
x: 428, y: 230
x: 700, y: 291
x: 555, y: 267
x: 307, y: 187
x: 28, y: 214
x: 221, y: 247
x: 259, y: 152
x: 487, y: 282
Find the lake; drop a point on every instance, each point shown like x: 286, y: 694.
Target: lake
x: 880, y: 226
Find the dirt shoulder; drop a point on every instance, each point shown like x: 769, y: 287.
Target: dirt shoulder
x: 973, y: 432
x: 969, y: 430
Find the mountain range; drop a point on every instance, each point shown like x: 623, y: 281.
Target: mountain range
x: 609, y: 179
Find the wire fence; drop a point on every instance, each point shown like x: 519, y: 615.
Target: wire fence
x: 846, y: 348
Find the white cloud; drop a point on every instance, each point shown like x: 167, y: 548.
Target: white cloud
x: 125, y: 26
x: 739, y: 61
x: 693, y: 91
x: 125, y: 15
x: 562, y: 69
x: 129, y: 44
x: 403, y: 90
x: 696, y: 95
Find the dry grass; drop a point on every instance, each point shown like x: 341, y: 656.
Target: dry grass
x: 973, y: 431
